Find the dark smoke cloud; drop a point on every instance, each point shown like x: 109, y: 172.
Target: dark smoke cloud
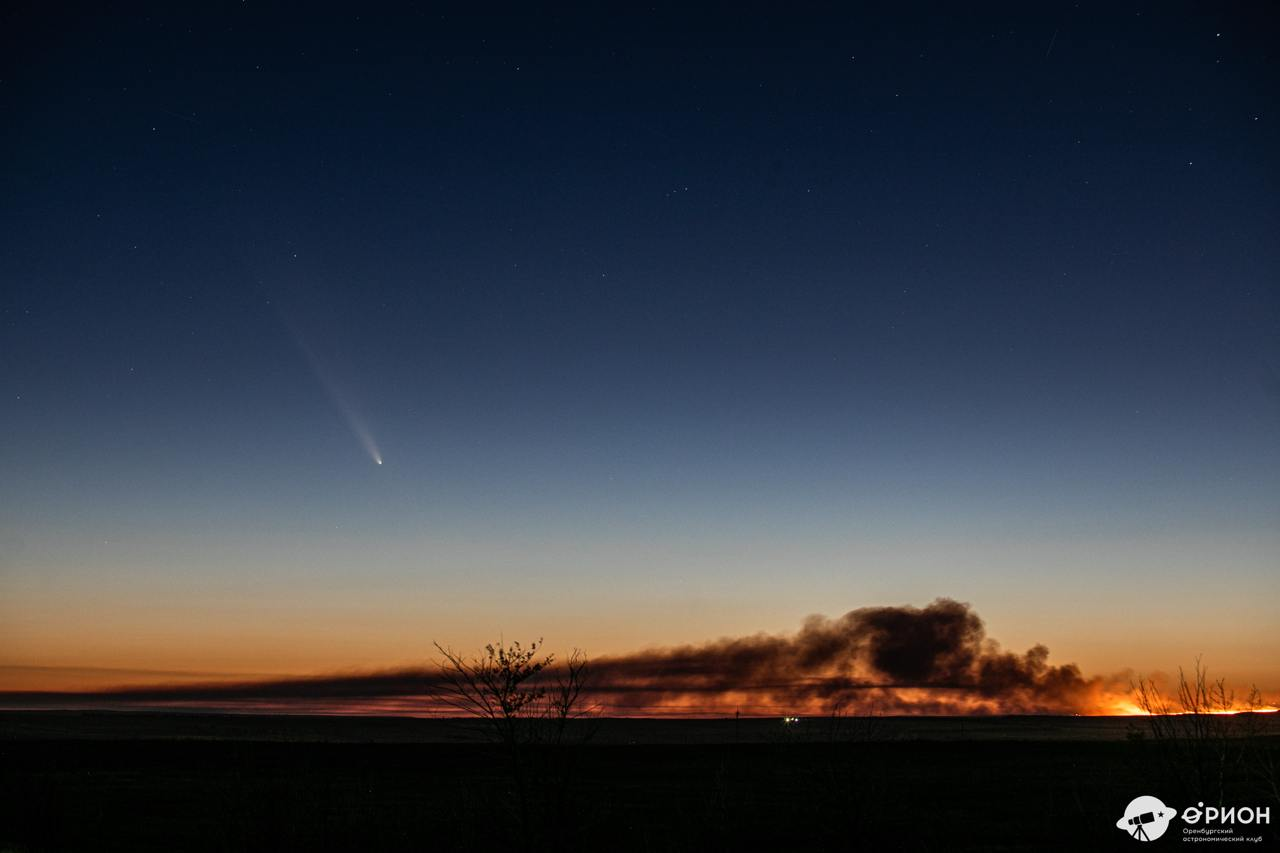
x: 935, y: 659
x: 898, y: 658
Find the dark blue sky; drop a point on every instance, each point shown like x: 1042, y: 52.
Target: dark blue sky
x: 690, y: 321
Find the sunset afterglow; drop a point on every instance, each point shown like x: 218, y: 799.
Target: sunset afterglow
x: 639, y: 427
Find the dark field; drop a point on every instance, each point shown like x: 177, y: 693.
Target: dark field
x: 100, y: 781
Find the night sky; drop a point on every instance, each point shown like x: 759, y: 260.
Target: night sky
x: 664, y: 325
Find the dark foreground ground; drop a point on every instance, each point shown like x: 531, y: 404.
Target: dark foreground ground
x: 95, y: 781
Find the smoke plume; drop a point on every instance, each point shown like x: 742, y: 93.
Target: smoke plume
x: 935, y: 659
x: 898, y: 660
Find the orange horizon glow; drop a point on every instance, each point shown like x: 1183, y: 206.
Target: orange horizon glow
x: 932, y: 660
x: 391, y: 708
x: 895, y: 702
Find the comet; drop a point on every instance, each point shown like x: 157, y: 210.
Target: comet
x: 341, y: 401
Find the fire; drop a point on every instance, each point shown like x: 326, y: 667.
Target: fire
x: 1122, y: 708
x: 1230, y: 712
x: 1127, y: 708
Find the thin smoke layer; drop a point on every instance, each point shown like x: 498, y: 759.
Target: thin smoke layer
x: 902, y: 660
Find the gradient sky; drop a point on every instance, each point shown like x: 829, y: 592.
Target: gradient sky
x: 666, y: 326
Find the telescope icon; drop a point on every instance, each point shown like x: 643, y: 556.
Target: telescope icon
x: 1146, y: 818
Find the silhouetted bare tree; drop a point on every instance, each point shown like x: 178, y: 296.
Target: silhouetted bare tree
x: 526, y: 703
x: 1201, y: 741
x: 519, y: 695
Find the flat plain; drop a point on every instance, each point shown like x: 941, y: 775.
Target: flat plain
x: 166, y: 781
